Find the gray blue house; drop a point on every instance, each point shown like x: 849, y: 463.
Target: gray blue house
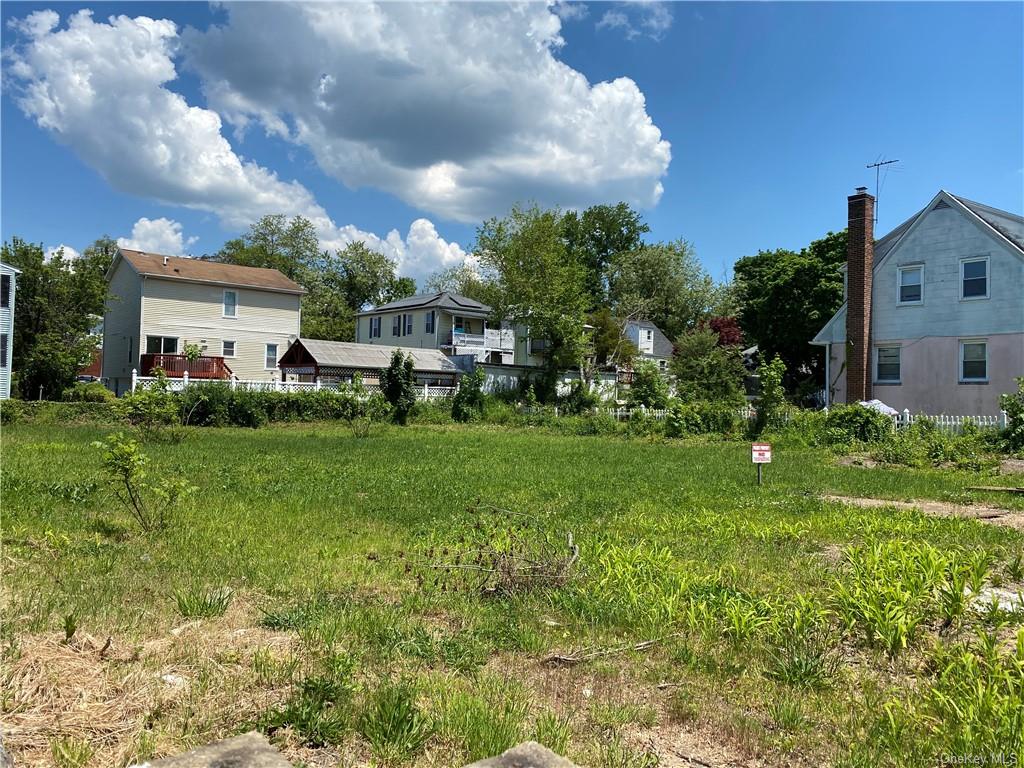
x: 8, y: 284
x: 934, y: 315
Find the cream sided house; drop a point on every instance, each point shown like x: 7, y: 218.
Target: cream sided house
x: 239, y: 319
x: 8, y: 283
x: 934, y: 316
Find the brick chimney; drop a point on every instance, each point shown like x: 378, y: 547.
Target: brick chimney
x: 860, y: 258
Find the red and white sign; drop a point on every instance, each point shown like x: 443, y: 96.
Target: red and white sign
x: 761, y: 453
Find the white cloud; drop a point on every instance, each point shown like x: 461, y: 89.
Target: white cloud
x: 570, y: 11
x: 652, y: 19
x: 163, y: 236
x: 100, y: 88
x: 70, y: 254
x: 459, y: 109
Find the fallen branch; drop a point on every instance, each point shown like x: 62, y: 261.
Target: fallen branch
x: 559, y: 660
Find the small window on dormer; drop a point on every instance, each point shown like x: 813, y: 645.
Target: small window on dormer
x: 911, y: 285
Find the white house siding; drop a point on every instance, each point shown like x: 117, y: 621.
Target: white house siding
x: 7, y: 328
x: 122, y: 321
x: 194, y: 313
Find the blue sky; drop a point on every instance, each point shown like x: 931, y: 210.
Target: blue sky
x: 369, y: 119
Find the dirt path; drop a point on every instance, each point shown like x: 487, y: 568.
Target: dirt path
x: 1012, y: 518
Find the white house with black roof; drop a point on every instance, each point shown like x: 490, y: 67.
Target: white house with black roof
x: 454, y: 324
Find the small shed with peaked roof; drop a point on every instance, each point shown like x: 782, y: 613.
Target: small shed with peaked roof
x: 341, y: 360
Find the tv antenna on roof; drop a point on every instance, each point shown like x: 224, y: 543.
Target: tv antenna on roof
x: 878, y: 167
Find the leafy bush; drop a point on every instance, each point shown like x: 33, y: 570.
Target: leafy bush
x: 1013, y: 404
x: 468, y: 403
x: 701, y: 418
x: 88, y: 392
x: 856, y: 423
x: 923, y: 444
x: 649, y: 387
x: 150, y: 505
x: 579, y: 399
x: 150, y: 409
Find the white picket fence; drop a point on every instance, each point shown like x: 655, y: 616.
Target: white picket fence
x: 423, y: 392
x: 944, y: 422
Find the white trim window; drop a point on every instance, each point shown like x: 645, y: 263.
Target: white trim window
x: 375, y: 327
x: 230, y: 303
x: 408, y: 324
x: 270, y: 357
x: 227, y: 348
x: 973, y: 360
x: 396, y: 325
x: 428, y: 323
x: 974, y: 278
x: 910, y: 285
x: 887, y: 365
x: 161, y: 345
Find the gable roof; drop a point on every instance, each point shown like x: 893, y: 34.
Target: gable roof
x: 202, y: 271
x: 348, y: 354
x: 1009, y: 225
x: 1004, y: 226
x: 443, y: 300
x: 8, y: 267
x: 663, y: 348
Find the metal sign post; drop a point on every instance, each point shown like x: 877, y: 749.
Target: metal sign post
x: 760, y: 453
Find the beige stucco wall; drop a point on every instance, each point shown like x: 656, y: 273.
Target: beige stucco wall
x: 193, y: 312
x: 121, y: 324
x: 930, y: 375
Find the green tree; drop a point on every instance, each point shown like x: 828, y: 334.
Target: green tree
x: 58, y: 303
x: 611, y: 347
x: 649, y: 387
x: 784, y: 300
x: 463, y: 280
x: 595, y: 236
x: 664, y: 283
x: 291, y: 247
x: 539, y: 284
x: 398, y: 383
x: 705, y: 370
x: 337, y: 286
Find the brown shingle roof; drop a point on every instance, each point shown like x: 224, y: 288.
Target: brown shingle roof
x: 199, y: 271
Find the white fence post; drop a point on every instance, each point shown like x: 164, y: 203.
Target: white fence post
x: 277, y: 384
x: 234, y: 383
x: 906, y: 417
x: 1004, y: 420
x: 184, y: 379
x: 317, y: 382
x: 135, y: 378
x: 426, y: 391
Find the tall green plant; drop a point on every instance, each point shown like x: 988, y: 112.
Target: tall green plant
x: 771, y: 403
x: 468, y: 403
x: 398, y: 382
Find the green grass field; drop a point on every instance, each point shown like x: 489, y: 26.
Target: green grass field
x: 331, y: 591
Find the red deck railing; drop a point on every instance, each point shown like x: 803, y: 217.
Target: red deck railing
x: 205, y: 367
